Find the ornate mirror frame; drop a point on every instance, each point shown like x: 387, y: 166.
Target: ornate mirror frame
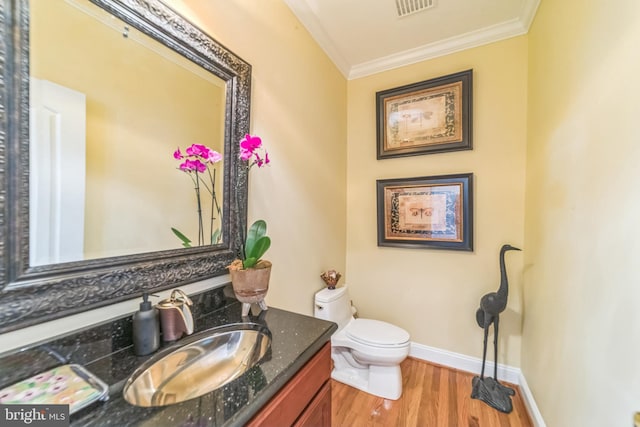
x: 31, y: 295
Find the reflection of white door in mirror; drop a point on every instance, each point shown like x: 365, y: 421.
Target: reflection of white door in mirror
x: 57, y: 161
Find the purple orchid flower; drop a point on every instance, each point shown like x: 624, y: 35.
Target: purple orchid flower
x: 191, y: 165
x: 200, y: 159
x: 214, y: 156
x: 198, y: 150
x: 248, y: 146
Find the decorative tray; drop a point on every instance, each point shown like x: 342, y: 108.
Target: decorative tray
x: 69, y: 385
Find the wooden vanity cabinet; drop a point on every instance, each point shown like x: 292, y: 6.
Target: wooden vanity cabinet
x: 305, y: 401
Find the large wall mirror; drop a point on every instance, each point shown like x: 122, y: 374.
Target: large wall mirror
x: 101, y: 100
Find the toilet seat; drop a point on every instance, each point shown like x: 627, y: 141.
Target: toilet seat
x: 376, y: 333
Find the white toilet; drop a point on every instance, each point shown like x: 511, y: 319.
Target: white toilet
x: 366, y: 353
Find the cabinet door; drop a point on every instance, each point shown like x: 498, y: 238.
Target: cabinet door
x: 290, y: 402
x: 318, y: 413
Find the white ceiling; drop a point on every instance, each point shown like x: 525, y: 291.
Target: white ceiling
x: 364, y: 37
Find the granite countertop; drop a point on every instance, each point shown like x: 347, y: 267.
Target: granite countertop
x: 106, y: 351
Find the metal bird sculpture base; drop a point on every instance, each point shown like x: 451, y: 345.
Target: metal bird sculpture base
x: 494, y: 394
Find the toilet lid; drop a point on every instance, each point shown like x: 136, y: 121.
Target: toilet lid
x: 377, y: 333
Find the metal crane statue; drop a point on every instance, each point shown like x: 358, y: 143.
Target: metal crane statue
x: 488, y: 389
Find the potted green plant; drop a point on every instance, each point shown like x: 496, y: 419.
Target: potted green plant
x: 250, y: 273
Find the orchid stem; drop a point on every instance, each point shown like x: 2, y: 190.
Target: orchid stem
x: 200, y: 226
x: 213, y: 199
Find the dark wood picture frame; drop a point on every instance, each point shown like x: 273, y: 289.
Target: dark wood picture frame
x: 432, y: 212
x: 432, y: 116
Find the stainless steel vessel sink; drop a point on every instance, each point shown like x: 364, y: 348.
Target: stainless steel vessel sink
x: 204, y: 362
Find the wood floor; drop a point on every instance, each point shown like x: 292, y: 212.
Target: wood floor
x: 432, y: 396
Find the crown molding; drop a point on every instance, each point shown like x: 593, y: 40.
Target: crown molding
x: 444, y: 47
x: 529, y: 9
x: 307, y: 17
x: 511, y: 28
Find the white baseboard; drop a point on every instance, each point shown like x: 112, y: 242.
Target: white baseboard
x: 463, y: 362
x: 530, y: 402
x: 474, y: 365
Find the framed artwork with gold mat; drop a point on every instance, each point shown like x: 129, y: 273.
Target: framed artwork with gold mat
x: 433, y: 116
x: 433, y: 212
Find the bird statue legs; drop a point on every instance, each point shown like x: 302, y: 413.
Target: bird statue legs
x: 504, y: 388
x: 488, y: 389
x: 507, y: 390
x: 484, y: 348
x: 496, y: 322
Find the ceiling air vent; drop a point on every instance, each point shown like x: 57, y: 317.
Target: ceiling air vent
x: 408, y: 7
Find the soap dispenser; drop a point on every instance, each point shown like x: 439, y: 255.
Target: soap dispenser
x: 146, y: 328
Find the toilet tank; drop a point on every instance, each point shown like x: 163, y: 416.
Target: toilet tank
x: 333, y: 305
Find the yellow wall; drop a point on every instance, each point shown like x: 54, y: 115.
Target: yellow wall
x: 434, y: 293
x: 140, y: 107
x: 299, y: 110
x: 580, y: 339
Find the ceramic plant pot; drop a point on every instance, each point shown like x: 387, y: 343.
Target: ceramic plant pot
x: 250, y: 285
